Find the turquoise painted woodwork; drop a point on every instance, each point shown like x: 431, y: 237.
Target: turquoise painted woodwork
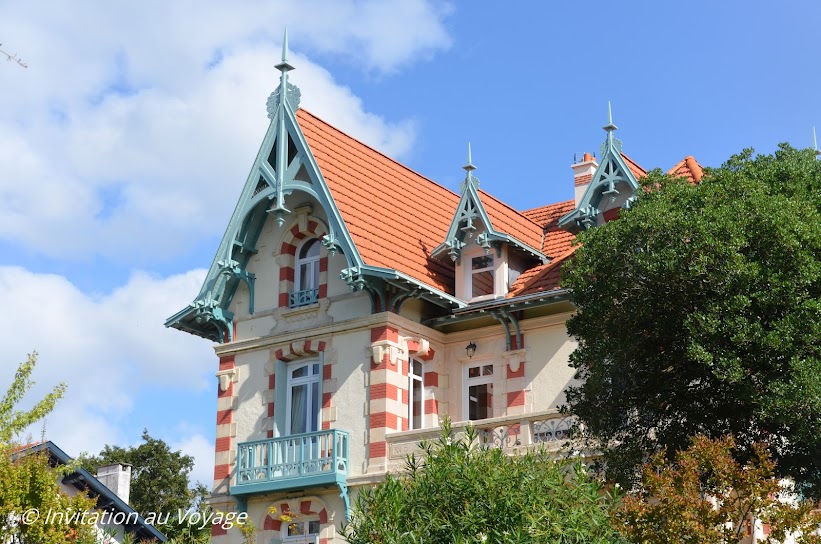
x: 471, y: 223
x: 284, y: 166
x: 294, y: 462
x: 612, y: 176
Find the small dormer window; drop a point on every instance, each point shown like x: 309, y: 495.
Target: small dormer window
x: 482, y: 276
x: 306, y: 282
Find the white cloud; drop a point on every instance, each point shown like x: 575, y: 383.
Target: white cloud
x: 106, y: 348
x: 145, y: 119
x: 202, y: 450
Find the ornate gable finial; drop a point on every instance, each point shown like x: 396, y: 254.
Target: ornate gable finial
x: 469, y: 178
x: 609, y: 127
x: 815, y: 143
x: 612, y: 142
x: 292, y: 94
x: 283, y: 66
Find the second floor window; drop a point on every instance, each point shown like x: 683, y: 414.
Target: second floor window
x: 416, y: 396
x: 303, y: 398
x: 306, y: 280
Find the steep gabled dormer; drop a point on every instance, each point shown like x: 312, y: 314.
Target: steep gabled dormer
x: 612, y: 186
x: 487, y: 261
x: 283, y: 177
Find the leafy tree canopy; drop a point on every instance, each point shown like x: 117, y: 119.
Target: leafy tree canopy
x: 27, y: 481
x: 706, y: 497
x: 458, y: 492
x: 159, y: 479
x: 699, y: 312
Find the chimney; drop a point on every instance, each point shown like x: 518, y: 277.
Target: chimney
x: 117, y: 478
x: 582, y: 174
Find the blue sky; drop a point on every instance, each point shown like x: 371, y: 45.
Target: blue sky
x: 125, y: 143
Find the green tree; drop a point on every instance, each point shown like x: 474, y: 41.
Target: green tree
x: 699, y: 312
x: 159, y: 480
x: 461, y: 493
x: 707, y: 497
x: 27, y: 480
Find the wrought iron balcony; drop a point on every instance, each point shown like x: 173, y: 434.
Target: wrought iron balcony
x: 292, y: 462
x: 303, y: 298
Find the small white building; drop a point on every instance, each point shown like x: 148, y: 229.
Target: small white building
x: 111, y: 488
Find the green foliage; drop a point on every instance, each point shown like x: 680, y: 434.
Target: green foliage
x: 14, y: 421
x: 159, y: 482
x: 706, y: 497
x: 461, y: 493
x: 27, y: 480
x: 699, y: 312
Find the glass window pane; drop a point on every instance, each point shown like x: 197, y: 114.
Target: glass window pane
x: 473, y: 372
x: 313, y: 527
x: 416, y: 368
x: 300, y: 372
x: 305, y: 279
x: 309, y: 249
x: 312, y: 425
x: 482, y: 284
x: 480, y: 401
x: 487, y: 370
x: 299, y: 408
x: 295, y: 528
x: 485, y: 261
x: 416, y: 404
x: 315, y: 369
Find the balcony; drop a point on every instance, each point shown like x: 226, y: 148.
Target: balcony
x: 292, y: 462
x: 303, y: 298
x: 549, y: 429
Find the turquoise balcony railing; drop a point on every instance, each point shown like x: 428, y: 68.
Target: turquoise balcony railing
x: 303, y: 298
x: 292, y: 462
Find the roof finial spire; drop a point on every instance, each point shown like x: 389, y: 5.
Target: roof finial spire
x: 286, y: 92
x: 283, y: 66
x: 609, y: 127
x: 470, y: 179
x: 469, y: 166
x: 815, y: 142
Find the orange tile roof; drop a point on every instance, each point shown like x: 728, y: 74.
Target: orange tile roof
x: 546, y: 277
x: 556, y: 240
x: 688, y: 168
x: 397, y: 216
x: 544, y: 215
x: 510, y: 221
x: 634, y: 167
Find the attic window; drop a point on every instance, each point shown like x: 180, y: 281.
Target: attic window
x: 481, y: 273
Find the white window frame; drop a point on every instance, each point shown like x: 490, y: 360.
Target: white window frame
x: 464, y: 273
x: 313, y: 268
x: 304, y: 380
x: 478, y: 380
x: 300, y: 539
x: 471, y: 272
x: 420, y: 380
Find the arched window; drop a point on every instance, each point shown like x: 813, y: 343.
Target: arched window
x: 306, y: 275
